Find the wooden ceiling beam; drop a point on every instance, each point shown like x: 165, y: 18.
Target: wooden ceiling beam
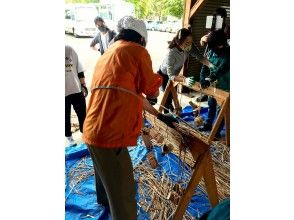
x: 187, y: 9
x: 195, y: 8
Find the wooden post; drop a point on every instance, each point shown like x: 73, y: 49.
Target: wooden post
x: 227, y: 123
x: 209, y: 180
x: 218, y: 121
x: 170, y: 88
x: 165, y: 95
x: 187, y: 13
x: 189, y: 192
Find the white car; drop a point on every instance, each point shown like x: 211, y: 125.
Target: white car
x: 148, y: 24
x: 163, y: 26
x: 176, y: 26
x: 79, y: 20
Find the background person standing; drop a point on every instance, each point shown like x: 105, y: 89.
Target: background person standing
x: 104, y: 37
x: 75, y: 91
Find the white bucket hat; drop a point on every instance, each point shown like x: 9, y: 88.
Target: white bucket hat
x: 129, y: 22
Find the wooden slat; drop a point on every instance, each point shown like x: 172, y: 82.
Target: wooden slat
x: 218, y: 94
x: 195, y: 8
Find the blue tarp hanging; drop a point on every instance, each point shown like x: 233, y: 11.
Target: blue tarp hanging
x: 81, y: 202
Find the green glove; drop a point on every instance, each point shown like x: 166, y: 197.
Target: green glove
x: 190, y: 81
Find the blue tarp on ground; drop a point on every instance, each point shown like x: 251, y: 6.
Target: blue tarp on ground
x: 81, y: 200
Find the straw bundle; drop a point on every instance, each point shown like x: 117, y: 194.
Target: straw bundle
x: 159, y: 196
x: 78, y: 174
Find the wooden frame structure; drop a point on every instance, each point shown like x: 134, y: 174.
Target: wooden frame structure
x: 197, y: 144
x: 222, y: 98
x: 190, y: 10
x: 203, y: 166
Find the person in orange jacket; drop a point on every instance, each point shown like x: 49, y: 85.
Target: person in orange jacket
x: 114, y: 115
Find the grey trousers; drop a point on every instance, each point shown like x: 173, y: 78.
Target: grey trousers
x: 115, y: 185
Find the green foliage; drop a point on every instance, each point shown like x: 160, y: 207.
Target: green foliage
x: 82, y: 1
x: 158, y: 8
x: 175, y: 8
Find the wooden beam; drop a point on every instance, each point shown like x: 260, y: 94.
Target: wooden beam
x: 187, y: 13
x: 195, y: 8
x: 218, y: 94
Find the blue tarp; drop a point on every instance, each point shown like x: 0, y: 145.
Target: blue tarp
x: 81, y: 200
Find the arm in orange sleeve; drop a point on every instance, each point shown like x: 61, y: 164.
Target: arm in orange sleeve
x: 149, y: 81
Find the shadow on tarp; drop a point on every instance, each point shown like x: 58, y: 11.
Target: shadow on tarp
x: 81, y: 202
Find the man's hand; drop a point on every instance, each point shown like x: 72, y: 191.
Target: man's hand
x: 168, y: 119
x: 204, y: 84
x: 84, y: 90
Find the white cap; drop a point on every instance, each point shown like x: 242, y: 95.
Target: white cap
x: 129, y: 22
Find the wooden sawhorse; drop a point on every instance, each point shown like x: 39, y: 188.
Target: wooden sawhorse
x: 203, y: 166
x: 222, y: 98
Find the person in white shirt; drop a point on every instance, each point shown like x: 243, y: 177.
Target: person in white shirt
x: 75, y: 91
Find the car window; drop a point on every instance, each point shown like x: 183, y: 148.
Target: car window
x: 67, y: 14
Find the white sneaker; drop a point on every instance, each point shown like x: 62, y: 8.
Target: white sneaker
x: 71, y: 142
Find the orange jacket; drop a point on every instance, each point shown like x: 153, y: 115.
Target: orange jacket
x: 114, y: 117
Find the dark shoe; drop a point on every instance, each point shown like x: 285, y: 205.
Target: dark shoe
x: 202, y: 98
x: 206, y: 127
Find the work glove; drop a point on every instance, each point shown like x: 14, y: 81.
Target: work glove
x: 205, y: 83
x: 84, y: 90
x: 152, y: 101
x: 190, y: 81
x: 168, y: 119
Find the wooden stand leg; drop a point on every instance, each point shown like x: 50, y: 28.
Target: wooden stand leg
x: 170, y: 88
x: 176, y: 100
x: 217, y: 122
x: 209, y: 180
x: 189, y: 192
x: 227, y: 124
x: 165, y: 95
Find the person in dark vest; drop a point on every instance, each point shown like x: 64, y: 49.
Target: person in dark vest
x: 103, y: 38
x: 219, y: 55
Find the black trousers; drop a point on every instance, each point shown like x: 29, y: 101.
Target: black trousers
x: 78, y: 102
x: 169, y: 100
